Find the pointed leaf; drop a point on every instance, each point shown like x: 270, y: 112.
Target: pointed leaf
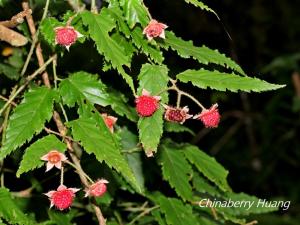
x: 10, y: 211
x: 145, y: 46
x: 176, y: 170
x: 203, y: 55
x: 135, y: 12
x: 223, y: 81
x: 177, y: 128
x: 28, y: 118
x: 154, y: 79
x: 80, y: 86
x: 100, y: 25
x: 202, y: 6
x: 47, y: 27
x: 31, y: 158
x: 97, y: 139
x: 208, y: 166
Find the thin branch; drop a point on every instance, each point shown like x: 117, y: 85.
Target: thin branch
x: 16, y: 19
x: 28, y: 79
x: 6, y: 99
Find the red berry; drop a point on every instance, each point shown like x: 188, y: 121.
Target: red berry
x: 63, y: 197
x: 155, y: 29
x: 66, y: 36
x: 146, y: 104
x: 210, y: 117
x: 178, y: 115
x: 97, y: 189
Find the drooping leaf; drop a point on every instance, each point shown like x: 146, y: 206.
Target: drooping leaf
x: 202, y: 6
x: 130, y: 142
x: 10, y: 211
x: 176, y: 212
x: 135, y: 12
x: 28, y: 118
x: 208, y: 166
x: 204, y: 55
x: 31, y: 158
x: 97, y: 139
x: 223, y: 81
x: 82, y: 85
x: 100, y: 25
x: 154, y: 79
x: 145, y: 47
x: 177, y: 128
x: 176, y: 170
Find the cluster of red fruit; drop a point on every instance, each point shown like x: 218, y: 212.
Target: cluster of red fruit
x: 63, y: 197
x: 146, y: 105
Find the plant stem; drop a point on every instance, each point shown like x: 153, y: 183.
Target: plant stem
x: 45, y: 10
x: 62, y: 175
x: 75, y: 167
x: 145, y: 212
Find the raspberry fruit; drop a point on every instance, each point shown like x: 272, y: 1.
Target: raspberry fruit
x: 109, y: 121
x: 62, y: 198
x: 210, y: 117
x: 146, y: 104
x: 178, y: 115
x: 66, y: 36
x: 155, y: 29
x: 53, y: 158
x: 97, y: 189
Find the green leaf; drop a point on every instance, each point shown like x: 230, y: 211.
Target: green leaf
x: 80, y: 86
x: 135, y: 12
x: 158, y: 217
x: 10, y: 211
x: 208, y: 166
x: 202, y: 6
x: 223, y: 81
x: 60, y: 218
x: 119, y: 103
x: 154, y: 79
x: 177, y: 128
x: 28, y: 118
x: 9, y: 71
x: 145, y: 46
x: 100, y: 25
x: 31, y: 158
x: 47, y: 27
x: 203, y: 55
x: 203, y: 186
x: 96, y: 139
x: 134, y: 159
x: 176, y: 212
x: 176, y: 170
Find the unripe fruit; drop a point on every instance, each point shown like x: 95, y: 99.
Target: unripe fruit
x: 177, y: 115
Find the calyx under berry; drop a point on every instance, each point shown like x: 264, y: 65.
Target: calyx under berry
x: 210, y: 117
x: 54, y: 158
x: 66, y: 36
x: 146, y: 104
x: 178, y: 115
x: 62, y: 198
x: 155, y: 29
